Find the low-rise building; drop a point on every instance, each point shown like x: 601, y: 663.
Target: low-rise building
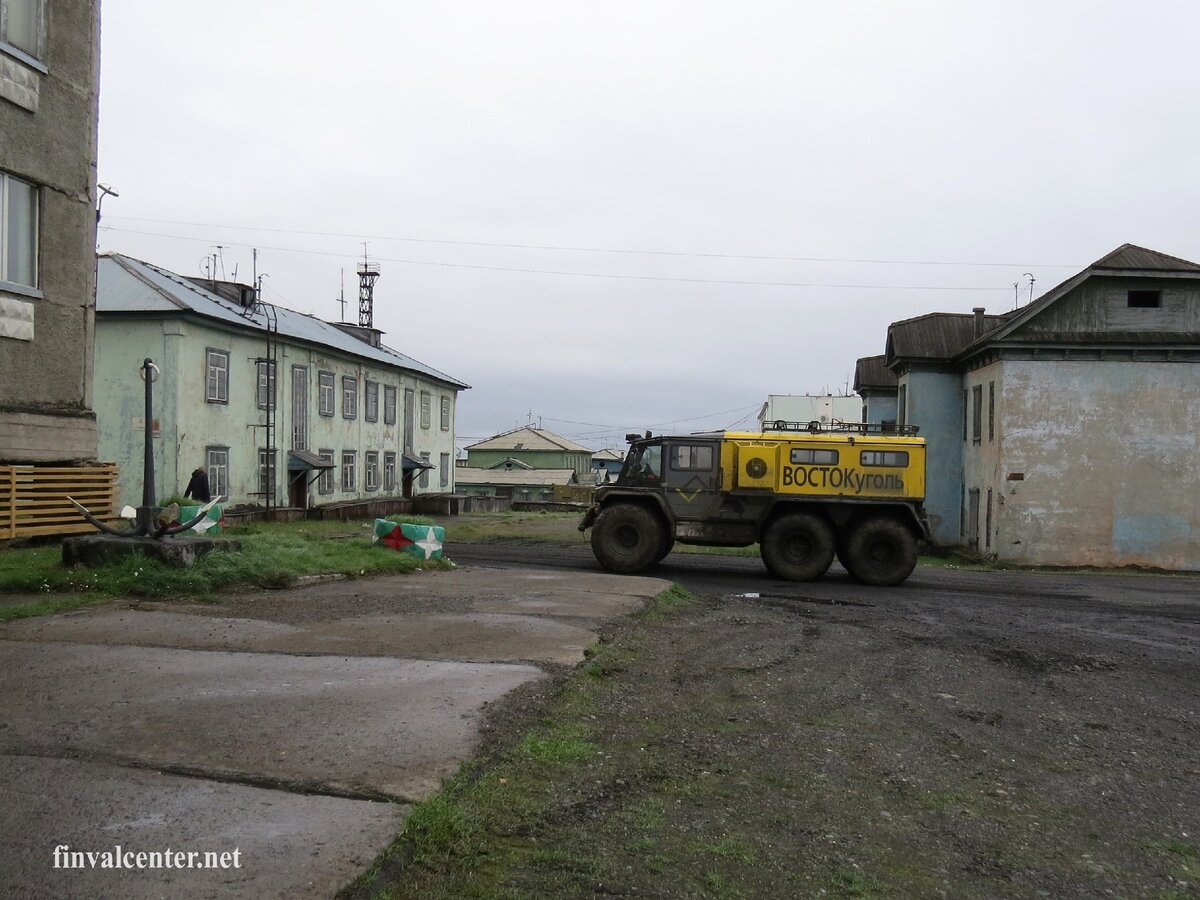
x: 280, y: 408
x: 1064, y: 432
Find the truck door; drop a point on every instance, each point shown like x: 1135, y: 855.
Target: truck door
x: 690, y: 478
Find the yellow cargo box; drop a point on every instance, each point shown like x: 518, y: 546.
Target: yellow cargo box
x: 825, y: 465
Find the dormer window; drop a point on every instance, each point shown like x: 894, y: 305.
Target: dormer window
x: 1145, y: 299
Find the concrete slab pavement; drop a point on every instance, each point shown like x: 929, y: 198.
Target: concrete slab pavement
x: 285, y: 710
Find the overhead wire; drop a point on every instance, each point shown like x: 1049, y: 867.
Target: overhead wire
x: 609, y: 275
x: 580, y: 249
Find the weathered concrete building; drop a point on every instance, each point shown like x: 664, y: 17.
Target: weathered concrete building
x: 280, y: 408
x: 1065, y: 432
x: 49, y: 71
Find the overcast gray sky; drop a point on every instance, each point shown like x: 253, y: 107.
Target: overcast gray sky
x: 625, y: 215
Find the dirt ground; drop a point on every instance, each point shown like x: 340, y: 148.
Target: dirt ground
x: 970, y: 734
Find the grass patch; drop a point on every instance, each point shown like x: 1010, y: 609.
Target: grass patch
x: 273, y: 555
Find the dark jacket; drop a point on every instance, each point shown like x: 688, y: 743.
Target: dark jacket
x: 197, y: 488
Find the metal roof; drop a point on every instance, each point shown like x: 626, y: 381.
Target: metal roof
x: 529, y: 438
x: 936, y: 336
x: 871, y: 373
x: 1130, y: 256
x: 127, y: 285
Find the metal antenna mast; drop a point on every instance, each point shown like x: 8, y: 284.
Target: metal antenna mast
x: 367, y: 273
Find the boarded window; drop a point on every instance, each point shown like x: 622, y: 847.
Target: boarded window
x: 1145, y: 299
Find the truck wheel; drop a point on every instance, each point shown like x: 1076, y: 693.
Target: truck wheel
x: 667, y: 545
x: 627, y: 538
x: 798, y: 547
x: 881, y: 552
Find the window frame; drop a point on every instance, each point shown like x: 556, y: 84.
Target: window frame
x: 349, y: 468
x: 35, y: 54
x: 389, y: 470
x: 389, y: 404
x: 796, y: 457
x: 991, y: 411
x: 266, y: 383
x: 371, y: 470
x: 426, y: 410
x: 268, y: 473
x: 8, y: 279
x: 444, y: 470
x: 370, y: 407
x: 217, y: 471
x: 349, y: 396
x: 889, y: 459
x: 445, y: 414
x: 976, y: 413
x: 325, y: 479
x: 424, y: 479
x: 692, y: 463
x: 326, y: 409
x: 221, y: 384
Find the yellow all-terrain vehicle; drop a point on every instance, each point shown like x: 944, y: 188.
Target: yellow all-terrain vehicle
x: 804, y: 491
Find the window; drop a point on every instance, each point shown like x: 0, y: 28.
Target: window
x: 991, y: 410
x: 973, y: 518
x: 325, y: 482
x: 389, y: 471
x: 389, y: 405
x: 20, y: 25
x: 815, y: 457
x: 372, y: 470
x: 266, y: 384
x: 299, y: 408
x: 444, y: 471
x: 1145, y: 299
x: 890, y: 458
x: 977, y: 413
x: 216, y: 381
x: 445, y: 414
x: 426, y: 400
x: 349, y: 397
x: 349, y: 477
x: 409, y: 413
x: 371, y: 413
x: 689, y: 457
x: 266, y: 475
x: 987, y: 537
x: 18, y: 231
x: 216, y: 461
x: 425, y: 472
x: 325, y: 388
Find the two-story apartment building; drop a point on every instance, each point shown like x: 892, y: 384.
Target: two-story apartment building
x: 49, y: 71
x: 1064, y: 432
x: 281, y: 408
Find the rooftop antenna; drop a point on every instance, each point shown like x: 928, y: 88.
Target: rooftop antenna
x: 367, y: 273
x: 1031, y: 281
x: 1016, y: 294
x: 342, y: 297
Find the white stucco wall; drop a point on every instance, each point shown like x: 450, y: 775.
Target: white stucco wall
x: 1095, y: 463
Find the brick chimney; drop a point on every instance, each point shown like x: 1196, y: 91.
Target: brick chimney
x: 979, y: 311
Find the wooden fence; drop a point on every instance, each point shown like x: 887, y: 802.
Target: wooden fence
x: 33, y: 499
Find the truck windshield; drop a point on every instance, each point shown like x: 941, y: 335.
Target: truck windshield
x: 643, y: 463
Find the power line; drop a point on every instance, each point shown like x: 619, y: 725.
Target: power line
x: 610, y: 275
x: 575, y: 249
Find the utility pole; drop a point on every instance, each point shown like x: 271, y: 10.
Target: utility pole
x: 1031, y: 281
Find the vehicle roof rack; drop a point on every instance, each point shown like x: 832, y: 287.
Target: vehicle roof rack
x: 837, y: 426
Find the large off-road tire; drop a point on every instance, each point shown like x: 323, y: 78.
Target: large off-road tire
x: 667, y: 545
x: 881, y: 552
x: 798, y: 546
x: 628, y: 538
